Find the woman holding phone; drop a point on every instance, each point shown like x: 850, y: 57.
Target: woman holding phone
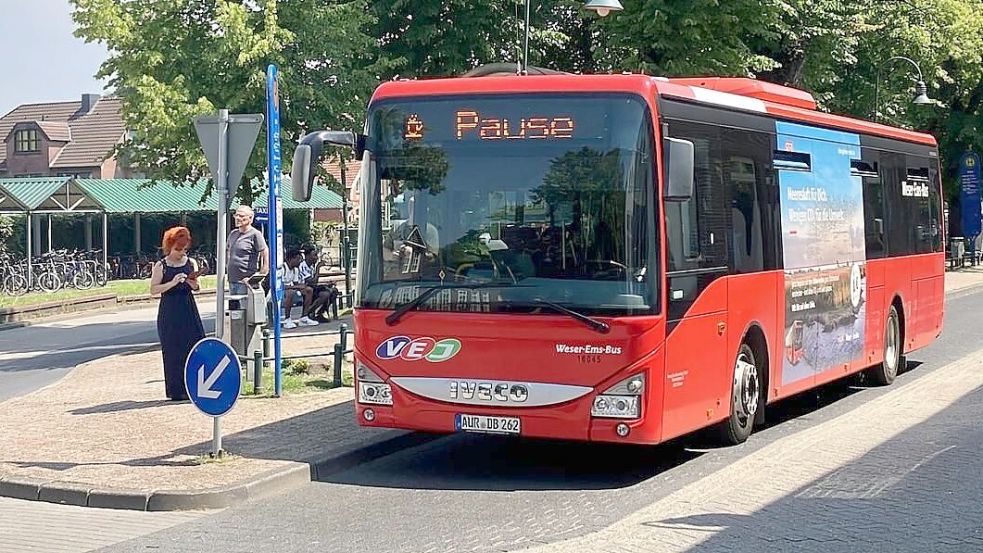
x: 174, y: 278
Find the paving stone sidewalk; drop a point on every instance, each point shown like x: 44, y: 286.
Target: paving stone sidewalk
x: 963, y: 278
x: 900, y: 473
x: 104, y: 436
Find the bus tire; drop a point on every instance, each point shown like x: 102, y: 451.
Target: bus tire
x: 745, y: 397
x: 885, y: 372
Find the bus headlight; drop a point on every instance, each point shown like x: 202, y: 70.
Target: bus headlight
x: 374, y: 393
x: 621, y: 401
x: 371, y: 388
x: 615, y: 407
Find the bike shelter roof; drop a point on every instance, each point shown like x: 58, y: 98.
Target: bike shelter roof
x: 146, y: 196
x: 47, y: 195
x: 117, y: 196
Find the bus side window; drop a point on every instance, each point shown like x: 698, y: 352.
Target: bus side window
x: 747, y: 156
x: 874, y: 229
x: 918, y: 191
x: 892, y: 169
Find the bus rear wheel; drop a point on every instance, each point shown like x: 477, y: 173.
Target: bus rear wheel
x: 746, y: 396
x: 885, y: 373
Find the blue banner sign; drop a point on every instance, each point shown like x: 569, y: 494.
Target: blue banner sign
x: 275, y: 234
x: 969, y: 193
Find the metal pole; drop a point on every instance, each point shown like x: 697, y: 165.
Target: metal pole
x: 105, y: 242
x: 346, y: 259
x: 136, y: 234
x: 30, y: 265
x: 343, y: 336
x: 88, y: 232
x: 217, y: 436
x: 36, y: 232
x: 257, y: 371
x: 49, y: 232
x: 338, y: 354
x: 222, y: 188
x: 525, y: 49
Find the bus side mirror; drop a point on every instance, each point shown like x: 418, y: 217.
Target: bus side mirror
x: 678, y: 156
x: 308, y: 155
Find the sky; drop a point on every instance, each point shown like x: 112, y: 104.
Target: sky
x: 42, y: 61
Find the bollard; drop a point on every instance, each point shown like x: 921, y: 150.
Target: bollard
x: 338, y: 354
x: 343, y: 337
x: 266, y: 345
x: 257, y: 371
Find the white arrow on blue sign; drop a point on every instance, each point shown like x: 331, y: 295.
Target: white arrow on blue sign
x: 212, y: 377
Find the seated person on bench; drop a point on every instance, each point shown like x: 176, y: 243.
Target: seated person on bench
x: 325, y: 295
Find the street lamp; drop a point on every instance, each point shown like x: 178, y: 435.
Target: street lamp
x: 602, y: 7
x: 921, y: 91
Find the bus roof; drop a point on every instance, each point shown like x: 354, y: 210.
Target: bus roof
x: 740, y: 94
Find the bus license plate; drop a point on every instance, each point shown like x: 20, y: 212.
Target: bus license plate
x: 490, y: 425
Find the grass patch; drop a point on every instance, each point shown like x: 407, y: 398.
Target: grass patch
x: 299, y: 376
x: 119, y: 287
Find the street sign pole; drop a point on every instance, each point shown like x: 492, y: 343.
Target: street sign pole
x: 274, y: 175
x: 222, y: 188
x: 227, y: 141
x: 213, y: 381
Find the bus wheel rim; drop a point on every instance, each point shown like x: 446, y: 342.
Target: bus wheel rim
x: 746, y: 388
x: 891, y: 347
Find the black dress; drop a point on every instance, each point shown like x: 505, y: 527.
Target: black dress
x: 179, y: 328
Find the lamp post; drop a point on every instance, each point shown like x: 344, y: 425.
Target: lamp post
x: 921, y: 91
x: 602, y: 7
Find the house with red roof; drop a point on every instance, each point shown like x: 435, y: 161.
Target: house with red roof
x: 68, y: 139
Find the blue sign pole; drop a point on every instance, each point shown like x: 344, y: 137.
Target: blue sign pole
x: 275, y: 207
x: 969, y: 197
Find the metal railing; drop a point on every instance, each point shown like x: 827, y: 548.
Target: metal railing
x: 338, y: 352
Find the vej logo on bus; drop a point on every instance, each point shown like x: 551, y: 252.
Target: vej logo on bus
x: 415, y: 349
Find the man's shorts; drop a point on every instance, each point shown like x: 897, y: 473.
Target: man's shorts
x: 296, y: 299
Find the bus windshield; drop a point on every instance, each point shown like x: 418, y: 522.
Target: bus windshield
x: 520, y: 199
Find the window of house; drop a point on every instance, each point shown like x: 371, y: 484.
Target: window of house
x: 26, y: 141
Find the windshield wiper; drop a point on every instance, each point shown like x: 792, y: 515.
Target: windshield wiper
x: 396, y: 315
x: 595, y: 324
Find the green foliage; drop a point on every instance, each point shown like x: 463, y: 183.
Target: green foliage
x: 171, y: 60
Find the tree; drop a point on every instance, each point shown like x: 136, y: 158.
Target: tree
x: 700, y: 37
x: 171, y: 60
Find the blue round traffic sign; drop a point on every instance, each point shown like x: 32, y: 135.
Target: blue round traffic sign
x: 212, y: 376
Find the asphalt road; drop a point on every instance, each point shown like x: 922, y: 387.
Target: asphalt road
x: 473, y: 493
x: 35, y: 356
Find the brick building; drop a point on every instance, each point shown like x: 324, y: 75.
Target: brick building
x: 63, y: 139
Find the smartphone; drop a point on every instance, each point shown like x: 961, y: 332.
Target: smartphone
x: 193, y: 275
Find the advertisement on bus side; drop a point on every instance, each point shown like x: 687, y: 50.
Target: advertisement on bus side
x: 823, y: 242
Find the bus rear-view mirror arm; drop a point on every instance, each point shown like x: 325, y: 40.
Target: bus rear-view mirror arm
x: 308, y: 155
x: 678, y: 156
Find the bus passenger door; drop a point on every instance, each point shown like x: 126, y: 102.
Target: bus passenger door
x: 697, y: 377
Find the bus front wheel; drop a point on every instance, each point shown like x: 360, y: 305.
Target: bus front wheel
x: 746, y: 395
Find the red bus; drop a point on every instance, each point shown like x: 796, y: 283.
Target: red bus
x: 624, y: 258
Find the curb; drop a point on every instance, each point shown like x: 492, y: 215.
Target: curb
x: 292, y: 475
x: 120, y: 302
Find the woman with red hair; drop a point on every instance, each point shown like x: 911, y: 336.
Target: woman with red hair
x: 174, y: 278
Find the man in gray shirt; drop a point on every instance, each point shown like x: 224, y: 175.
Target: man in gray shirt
x: 246, y: 251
